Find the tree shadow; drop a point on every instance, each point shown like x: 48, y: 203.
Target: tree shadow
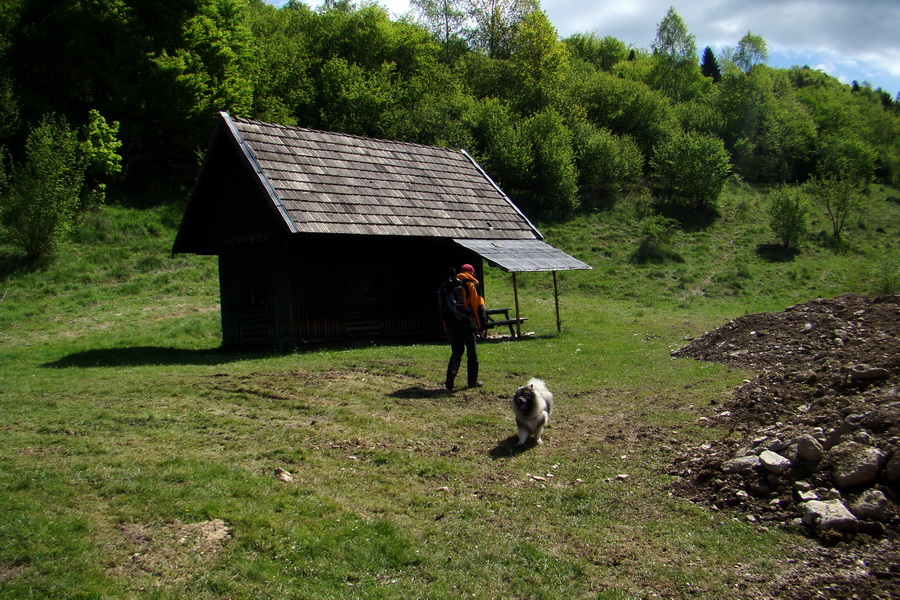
x: 776, y: 253
x: 19, y: 264
x: 691, y: 220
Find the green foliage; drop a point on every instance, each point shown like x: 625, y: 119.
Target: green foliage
x: 751, y: 50
x: 886, y: 274
x: 690, y: 170
x: 554, y: 178
x: 838, y: 197
x: 501, y: 145
x: 608, y: 164
x: 656, y: 232
x: 602, y: 53
x: 446, y: 20
x: 165, y: 70
x: 627, y: 108
x: 787, y: 212
x: 40, y: 204
x: 495, y: 23
x: 99, y: 155
x: 540, y: 63
x: 845, y: 156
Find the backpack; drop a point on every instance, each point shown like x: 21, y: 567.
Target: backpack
x: 450, y: 300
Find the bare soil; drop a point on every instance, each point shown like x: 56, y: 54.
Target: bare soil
x: 808, y: 358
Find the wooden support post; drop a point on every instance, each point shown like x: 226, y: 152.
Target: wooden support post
x: 556, y: 301
x: 516, y: 298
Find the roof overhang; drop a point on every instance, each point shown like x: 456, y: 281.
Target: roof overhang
x: 523, y: 256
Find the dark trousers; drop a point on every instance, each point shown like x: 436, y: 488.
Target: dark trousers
x: 462, y: 339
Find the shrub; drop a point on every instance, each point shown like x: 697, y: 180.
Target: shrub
x: 787, y: 214
x: 43, y: 193
x: 690, y: 169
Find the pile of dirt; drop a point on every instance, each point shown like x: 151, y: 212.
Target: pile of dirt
x: 813, y: 441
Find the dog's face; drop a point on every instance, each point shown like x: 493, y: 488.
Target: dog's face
x: 524, y: 399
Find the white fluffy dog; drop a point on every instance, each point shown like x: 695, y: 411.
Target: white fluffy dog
x: 532, y: 405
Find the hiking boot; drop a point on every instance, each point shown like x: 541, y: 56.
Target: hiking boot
x: 449, y: 382
x: 476, y: 384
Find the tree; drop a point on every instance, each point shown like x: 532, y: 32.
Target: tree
x: 673, y: 40
x: 445, y: 19
x: 601, y: 53
x: 838, y: 197
x: 751, y: 50
x: 554, y: 183
x: 494, y: 22
x: 675, y: 51
x: 43, y: 193
x: 539, y: 61
x: 690, y: 169
x: 608, y: 164
x: 787, y: 214
x: 709, y: 66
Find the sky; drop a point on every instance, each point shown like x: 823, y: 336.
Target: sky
x: 851, y: 40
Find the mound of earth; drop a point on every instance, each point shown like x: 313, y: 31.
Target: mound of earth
x: 813, y: 441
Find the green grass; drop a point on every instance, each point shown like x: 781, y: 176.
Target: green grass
x: 123, y: 427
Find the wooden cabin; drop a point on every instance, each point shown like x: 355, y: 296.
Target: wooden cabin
x: 327, y: 237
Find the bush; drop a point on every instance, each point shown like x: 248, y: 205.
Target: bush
x: 690, y: 170
x: 43, y: 193
x: 787, y: 214
x: 838, y: 197
x: 655, y: 231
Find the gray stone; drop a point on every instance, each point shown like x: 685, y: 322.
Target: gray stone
x: 872, y: 506
x: 892, y: 469
x: 829, y: 515
x: 774, y: 462
x: 809, y: 448
x: 744, y: 464
x: 855, y: 464
x: 864, y: 372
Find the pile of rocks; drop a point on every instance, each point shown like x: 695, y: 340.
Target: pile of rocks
x: 815, y: 437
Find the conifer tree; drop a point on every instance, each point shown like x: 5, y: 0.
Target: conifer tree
x: 709, y: 66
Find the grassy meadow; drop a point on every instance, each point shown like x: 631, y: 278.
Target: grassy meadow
x: 139, y: 460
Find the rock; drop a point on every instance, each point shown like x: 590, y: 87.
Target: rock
x: 774, y: 462
x: 855, y: 464
x: 892, y: 469
x: 872, y: 506
x: 865, y: 372
x: 283, y: 475
x: 829, y: 515
x: 809, y: 448
x: 744, y: 464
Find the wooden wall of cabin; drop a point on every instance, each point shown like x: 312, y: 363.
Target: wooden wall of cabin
x: 254, y: 282
x: 369, y: 287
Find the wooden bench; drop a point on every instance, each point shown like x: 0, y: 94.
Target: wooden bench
x: 506, y: 320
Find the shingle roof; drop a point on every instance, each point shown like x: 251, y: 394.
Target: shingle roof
x: 324, y: 182
x: 523, y: 256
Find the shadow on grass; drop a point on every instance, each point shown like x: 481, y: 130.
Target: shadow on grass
x: 145, y: 356
x: 420, y: 393
x: 776, y: 253
x: 510, y: 447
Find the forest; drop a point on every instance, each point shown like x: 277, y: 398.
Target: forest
x: 118, y: 98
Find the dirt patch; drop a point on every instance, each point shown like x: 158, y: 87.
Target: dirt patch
x: 827, y: 394
x: 158, y: 555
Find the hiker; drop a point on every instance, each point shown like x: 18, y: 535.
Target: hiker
x: 462, y: 327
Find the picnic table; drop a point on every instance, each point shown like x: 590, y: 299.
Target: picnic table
x: 506, y: 320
